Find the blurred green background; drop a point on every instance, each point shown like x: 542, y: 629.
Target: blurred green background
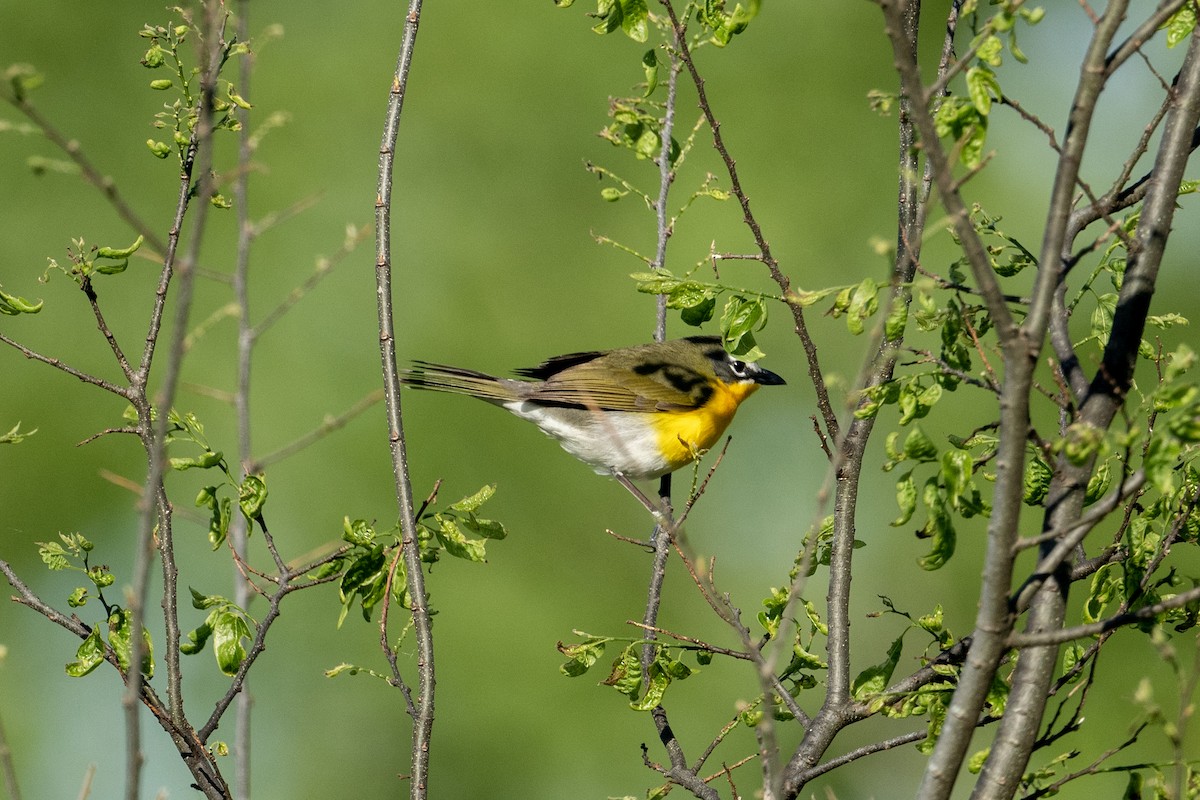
x: 496, y: 267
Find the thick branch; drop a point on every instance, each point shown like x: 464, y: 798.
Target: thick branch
x: 1014, y: 741
x: 848, y: 461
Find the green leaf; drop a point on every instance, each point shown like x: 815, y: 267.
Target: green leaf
x: 688, y: 294
x: 933, y: 623
x: 1102, y: 315
x: 12, y: 305
x: 626, y: 673
x: 78, y: 597
x: 634, y: 19
x: 700, y: 313
x: 229, y: 630
x: 725, y: 25
x: 1162, y: 456
x: 1082, y: 441
x: 804, y: 299
x: 158, y: 149
x: 202, y: 601
x: 918, y: 446
x: 456, y: 542
x: 658, y: 282
x: 120, y: 252
x: 1072, y: 652
x: 53, y: 556
x: 981, y: 87
x: 906, y: 498
x: 875, y: 397
x: 1181, y: 24
x: 1037, y: 480
x: 1106, y: 590
x: 357, y: 532
x: 120, y: 635
x: 864, y: 302
x: 916, y: 401
x: 1098, y: 484
x: 939, y: 527
x: 873, y: 680
x: 155, y: 57
x: 100, y: 576
x: 473, y: 503
x: 650, y: 66
x: 990, y: 50
x: 89, y: 655
x: 219, y: 514
x: 582, y: 656
x: 363, y: 571
x: 1185, y: 425
x: 957, y: 119
x: 803, y: 659
x: 252, y: 496
x: 956, y: 473
x: 115, y: 268
x: 206, y: 461
x: 487, y: 528
x: 741, y: 318
x: 897, y: 319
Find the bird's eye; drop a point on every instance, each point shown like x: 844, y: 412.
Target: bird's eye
x: 738, y: 368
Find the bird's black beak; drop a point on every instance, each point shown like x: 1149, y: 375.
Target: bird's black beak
x: 767, y: 378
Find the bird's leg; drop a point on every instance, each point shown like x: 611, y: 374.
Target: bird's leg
x: 660, y: 517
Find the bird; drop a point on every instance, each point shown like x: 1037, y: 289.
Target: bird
x: 633, y: 412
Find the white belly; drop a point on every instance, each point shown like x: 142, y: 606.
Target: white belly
x: 614, y: 441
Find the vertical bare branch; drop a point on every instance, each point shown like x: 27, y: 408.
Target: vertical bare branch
x: 238, y: 529
x: 156, y: 512
x: 664, y: 531
x: 848, y: 461
x: 423, y: 720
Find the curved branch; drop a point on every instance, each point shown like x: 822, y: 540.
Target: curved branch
x: 422, y: 624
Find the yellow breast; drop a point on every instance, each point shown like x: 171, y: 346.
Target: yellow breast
x: 683, y: 435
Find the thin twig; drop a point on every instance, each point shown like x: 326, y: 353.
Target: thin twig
x: 778, y: 276
x: 107, y: 386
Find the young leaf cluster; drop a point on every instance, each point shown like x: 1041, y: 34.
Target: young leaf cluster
x: 15, y: 435
x: 73, y: 553
x: 625, y: 674
x: 743, y: 315
x: 251, y: 491
x: 963, y: 118
x: 181, y: 116
x: 87, y: 262
x: 458, y: 531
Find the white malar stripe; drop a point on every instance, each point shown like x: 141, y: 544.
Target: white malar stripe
x: 608, y: 442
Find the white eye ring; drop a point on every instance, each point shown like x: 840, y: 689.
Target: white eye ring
x: 738, y: 368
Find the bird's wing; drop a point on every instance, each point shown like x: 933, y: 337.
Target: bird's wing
x: 648, y: 386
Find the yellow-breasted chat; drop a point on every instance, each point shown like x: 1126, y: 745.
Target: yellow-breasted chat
x: 635, y: 412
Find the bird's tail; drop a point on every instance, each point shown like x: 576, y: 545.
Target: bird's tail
x: 455, y: 380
